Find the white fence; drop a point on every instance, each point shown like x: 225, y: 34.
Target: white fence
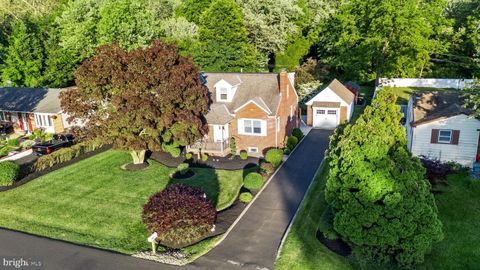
x: 434, y: 83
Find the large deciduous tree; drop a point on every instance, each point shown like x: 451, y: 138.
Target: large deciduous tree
x: 380, y: 197
x: 223, y: 39
x: 139, y: 100
x: 368, y: 39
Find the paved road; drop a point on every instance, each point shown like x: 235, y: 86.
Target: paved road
x: 252, y: 244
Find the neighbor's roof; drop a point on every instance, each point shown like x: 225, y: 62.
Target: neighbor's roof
x: 36, y: 100
x: 338, y: 88
x: 326, y: 104
x: 260, y: 88
x: 432, y: 106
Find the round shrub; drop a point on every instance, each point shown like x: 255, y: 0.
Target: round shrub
x: 8, y: 172
x: 292, y: 141
x: 182, y: 168
x: 243, y: 155
x: 172, y: 148
x: 274, y: 156
x: 297, y: 133
x: 204, y: 157
x: 253, y: 181
x: 246, y: 197
x: 267, y: 168
x: 180, y: 215
x: 189, y: 155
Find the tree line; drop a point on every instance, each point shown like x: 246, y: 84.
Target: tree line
x: 43, y: 42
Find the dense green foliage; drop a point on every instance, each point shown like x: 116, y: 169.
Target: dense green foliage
x: 267, y: 168
x: 274, y: 156
x: 139, y: 100
x: 181, y: 215
x: 253, y: 181
x: 380, y: 197
x: 223, y: 39
x: 8, y: 172
x: 292, y: 141
x: 472, y: 98
x: 245, y: 197
x: 243, y: 154
x: 297, y: 133
x: 182, y: 168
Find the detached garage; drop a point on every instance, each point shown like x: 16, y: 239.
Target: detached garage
x: 332, y: 106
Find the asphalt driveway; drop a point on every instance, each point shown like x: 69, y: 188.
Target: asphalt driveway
x: 252, y: 244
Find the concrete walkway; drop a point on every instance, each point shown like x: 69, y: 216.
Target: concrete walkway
x: 252, y: 244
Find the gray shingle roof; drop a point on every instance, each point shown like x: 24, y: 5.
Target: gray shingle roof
x: 431, y: 106
x: 218, y: 114
x: 36, y: 100
x: 262, y: 88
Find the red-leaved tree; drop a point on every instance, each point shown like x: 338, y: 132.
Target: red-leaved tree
x: 140, y: 99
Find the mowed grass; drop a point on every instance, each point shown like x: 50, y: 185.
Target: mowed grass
x: 403, y: 93
x: 459, y: 209
x: 96, y: 203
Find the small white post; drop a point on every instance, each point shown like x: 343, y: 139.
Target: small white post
x: 153, y: 239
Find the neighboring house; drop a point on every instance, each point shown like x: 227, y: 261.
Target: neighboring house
x: 32, y: 108
x: 257, y: 110
x: 439, y: 127
x: 331, y: 107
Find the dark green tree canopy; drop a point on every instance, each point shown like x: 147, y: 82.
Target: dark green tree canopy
x: 140, y: 99
x: 378, y: 192
x: 223, y: 44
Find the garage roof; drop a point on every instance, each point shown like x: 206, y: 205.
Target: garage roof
x: 341, y: 91
x: 326, y: 104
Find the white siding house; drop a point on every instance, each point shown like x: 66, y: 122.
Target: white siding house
x: 438, y: 127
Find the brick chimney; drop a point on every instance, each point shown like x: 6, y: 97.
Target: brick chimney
x: 284, y: 83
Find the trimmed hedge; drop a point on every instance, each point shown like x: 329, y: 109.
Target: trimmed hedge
x: 243, y: 155
x: 66, y: 154
x: 246, y: 197
x: 9, y: 171
x: 267, y: 168
x: 274, y: 156
x: 297, y: 133
x: 181, y: 215
x: 292, y: 141
x: 253, y: 181
x: 182, y: 168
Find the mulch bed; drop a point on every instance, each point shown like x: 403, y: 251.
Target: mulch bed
x: 25, y: 169
x: 337, y: 246
x: 178, y: 176
x: 223, y: 163
x: 135, y: 167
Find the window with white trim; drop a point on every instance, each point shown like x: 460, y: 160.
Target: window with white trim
x: 320, y: 111
x: 445, y: 136
x: 252, y: 149
x: 223, y: 93
x: 252, y: 127
x: 43, y: 120
x: 331, y: 112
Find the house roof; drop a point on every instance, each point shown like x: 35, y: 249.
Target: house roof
x: 326, y: 104
x: 36, y: 100
x: 432, y: 106
x: 218, y: 114
x: 263, y: 89
x: 338, y: 88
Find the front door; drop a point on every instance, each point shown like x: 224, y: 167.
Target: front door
x: 220, y: 133
x: 325, y: 118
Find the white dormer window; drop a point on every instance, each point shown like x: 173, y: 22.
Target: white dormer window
x: 224, y: 94
x: 224, y: 91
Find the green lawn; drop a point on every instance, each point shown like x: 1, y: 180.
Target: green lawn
x: 459, y: 207
x: 404, y: 93
x: 94, y: 202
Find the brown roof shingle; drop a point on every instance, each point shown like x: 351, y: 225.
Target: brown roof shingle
x: 431, y: 106
x: 342, y: 91
x: 326, y: 104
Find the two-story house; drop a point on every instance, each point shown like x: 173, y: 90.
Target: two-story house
x: 257, y: 110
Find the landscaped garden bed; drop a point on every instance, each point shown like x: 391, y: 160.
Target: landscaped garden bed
x: 94, y: 202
